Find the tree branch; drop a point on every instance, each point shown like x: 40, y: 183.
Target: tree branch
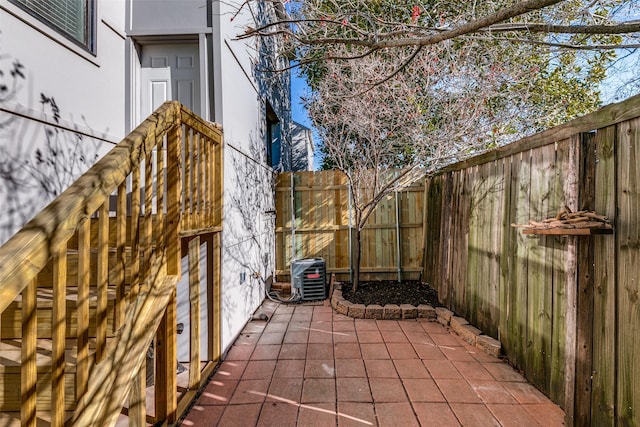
x: 620, y: 28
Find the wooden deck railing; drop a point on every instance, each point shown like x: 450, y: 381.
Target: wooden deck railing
x: 104, y: 258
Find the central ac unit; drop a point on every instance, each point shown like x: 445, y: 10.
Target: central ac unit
x: 308, y: 278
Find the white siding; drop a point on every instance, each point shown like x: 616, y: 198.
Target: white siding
x: 88, y: 91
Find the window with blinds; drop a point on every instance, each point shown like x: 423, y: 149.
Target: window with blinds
x: 73, y: 18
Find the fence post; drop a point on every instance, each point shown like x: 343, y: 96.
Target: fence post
x: 350, y: 234
x: 293, y: 219
x: 585, y: 283
x: 398, y: 236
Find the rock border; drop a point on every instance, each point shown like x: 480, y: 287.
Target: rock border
x: 442, y: 315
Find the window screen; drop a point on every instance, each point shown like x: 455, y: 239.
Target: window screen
x: 73, y: 18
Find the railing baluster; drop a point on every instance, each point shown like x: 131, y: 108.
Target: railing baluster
x: 209, y: 177
x: 174, y: 191
x: 58, y: 325
x: 147, y: 226
x: 218, y: 192
x: 28, y: 373
x: 194, y: 314
x: 84, y: 248
x: 158, y: 229
x: 121, y: 254
x: 135, y: 232
x: 102, y: 281
x: 187, y: 178
x: 201, y: 183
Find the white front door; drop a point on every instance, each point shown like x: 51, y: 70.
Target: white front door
x: 169, y: 72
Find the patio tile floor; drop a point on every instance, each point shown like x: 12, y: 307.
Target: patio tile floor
x: 309, y: 366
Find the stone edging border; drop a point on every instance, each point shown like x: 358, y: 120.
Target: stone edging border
x: 442, y: 315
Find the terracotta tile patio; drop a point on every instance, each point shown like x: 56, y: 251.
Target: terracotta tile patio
x: 309, y: 366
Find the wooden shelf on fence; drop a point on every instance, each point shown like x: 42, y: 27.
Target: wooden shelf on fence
x: 568, y: 231
x: 568, y: 223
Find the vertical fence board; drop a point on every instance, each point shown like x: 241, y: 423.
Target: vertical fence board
x: 446, y: 251
x: 570, y: 187
x: 559, y: 282
x: 628, y: 234
x: 470, y: 282
x: 483, y: 274
x: 539, y: 273
x: 515, y: 340
x: 604, y: 318
x: 506, y: 256
x: 584, y: 333
x: 496, y: 195
x: 430, y: 246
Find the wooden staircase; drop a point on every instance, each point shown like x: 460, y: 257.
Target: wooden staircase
x: 86, y: 286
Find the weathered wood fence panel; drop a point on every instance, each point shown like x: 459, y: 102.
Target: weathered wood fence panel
x: 566, y: 308
x: 312, y: 220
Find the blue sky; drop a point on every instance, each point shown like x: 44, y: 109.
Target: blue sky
x: 298, y: 90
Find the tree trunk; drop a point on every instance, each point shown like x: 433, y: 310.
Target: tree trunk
x: 355, y: 264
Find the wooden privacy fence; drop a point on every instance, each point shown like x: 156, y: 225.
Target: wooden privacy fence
x: 85, y: 288
x: 565, y: 307
x: 313, y: 220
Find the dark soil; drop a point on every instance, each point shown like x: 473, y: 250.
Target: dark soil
x: 391, y: 292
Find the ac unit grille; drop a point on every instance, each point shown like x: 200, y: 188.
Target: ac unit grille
x: 309, y: 277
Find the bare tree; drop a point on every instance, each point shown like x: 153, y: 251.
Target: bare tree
x: 401, y: 87
x: 386, y: 137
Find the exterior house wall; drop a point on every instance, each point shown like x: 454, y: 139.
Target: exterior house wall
x: 99, y: 101
x: 301, y: 149
x: 242, y: 92
x: 168, y: 16
x: 67, y: 101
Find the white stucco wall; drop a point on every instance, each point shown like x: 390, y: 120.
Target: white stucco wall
x: 97, y: 98
x: 167, y: 16
x: 87, y: 89
x: 249, y: 225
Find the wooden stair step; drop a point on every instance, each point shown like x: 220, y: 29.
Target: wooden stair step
x: 45, y: 277
x: 10, y: 373
x: 11, y: 322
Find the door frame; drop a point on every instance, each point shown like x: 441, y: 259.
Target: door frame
x: 134, y: 66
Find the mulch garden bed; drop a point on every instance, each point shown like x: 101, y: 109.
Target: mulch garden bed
x: 391, y: 292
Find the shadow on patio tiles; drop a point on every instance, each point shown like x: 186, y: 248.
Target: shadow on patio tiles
x: 309, y: 366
